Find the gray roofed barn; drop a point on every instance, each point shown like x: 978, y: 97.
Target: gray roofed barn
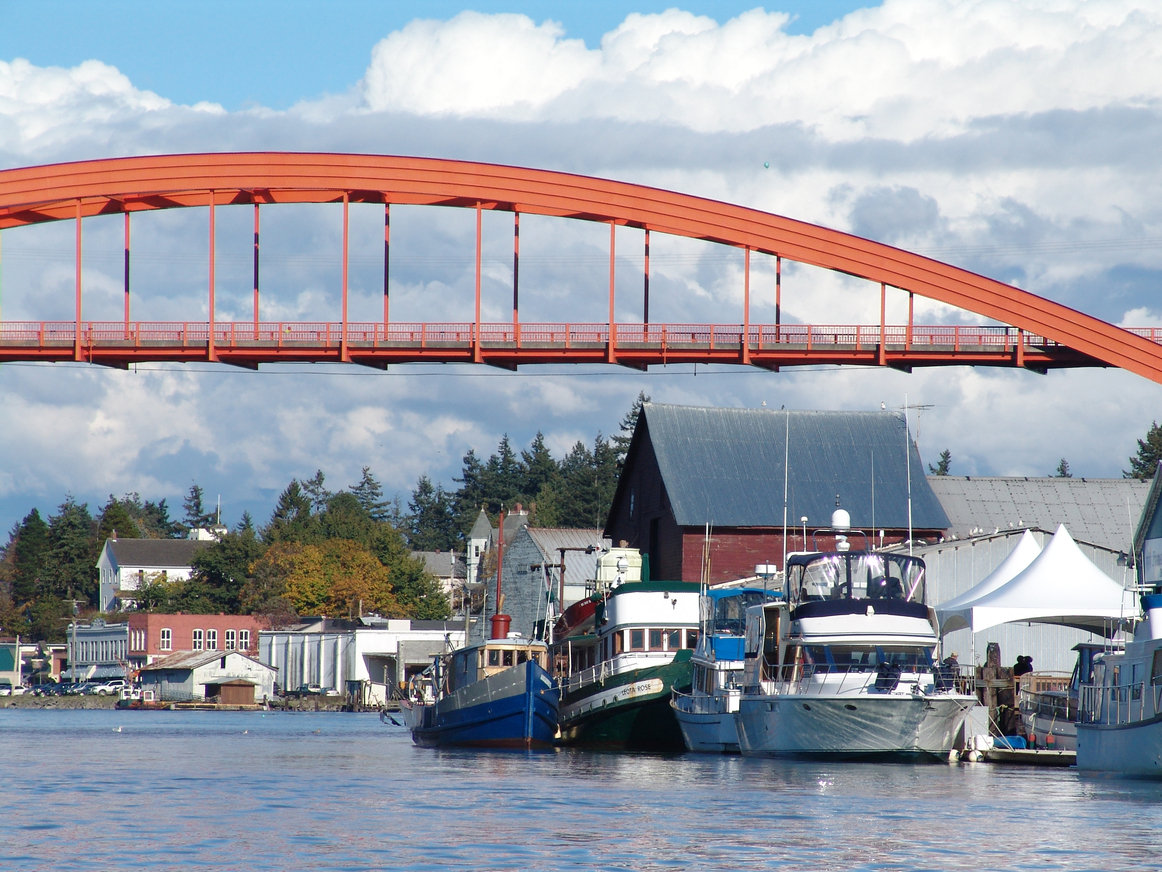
x: 1099, y: 511
x: 688, y: 467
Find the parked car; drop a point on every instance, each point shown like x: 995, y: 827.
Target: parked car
x: 106, y: 688
x: 307, y: 689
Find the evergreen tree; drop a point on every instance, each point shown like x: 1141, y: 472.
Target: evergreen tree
x: 1063, y: 469
x: 1145, y: 462
x: 28, y: 550
x: 502, y: 476
x: 370, y: 496
x: 345, y: 518
x: 116, y: 520
x: 624, y: 436
x: 576, y: 498
x: 315, y: 491
x: 537, y: 469
x: 291, y: 520
x: 196, y: 518
x: 223, y: 567
x: 942, y: 465
x: 471, y: 495
x: 71, y: 567
x: 431, y: 522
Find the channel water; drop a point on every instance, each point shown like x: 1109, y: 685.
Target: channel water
x: 109, y: 790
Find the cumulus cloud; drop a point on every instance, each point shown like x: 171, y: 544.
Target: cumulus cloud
x: 1017, y: 140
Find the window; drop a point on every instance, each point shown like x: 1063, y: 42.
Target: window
x: 231, y: 637
x: 211, y: 640
x: 197, y: 646
x: 655, y: 640
x: 166, y: 639
x: 637, y: 640
x: 691, y: 639
x: 673, y: 640
x: 243, y: 640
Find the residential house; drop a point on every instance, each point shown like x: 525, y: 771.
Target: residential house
x: 127, y: 565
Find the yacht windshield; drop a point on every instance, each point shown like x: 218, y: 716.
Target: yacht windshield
x: 866, y: 658
x: 856, y: 575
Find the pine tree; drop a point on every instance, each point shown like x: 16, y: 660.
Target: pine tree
x: 116, y: 520
x: 942, y: 465
x: 315, y: 491
x: 291, y: 520
x: 537, y: 468
x: 197, y: 518
x: 624, y: 436
x: 71, y: 567
x: 1063, y: 469
x: 1145, y: 462
x: 431, y: 521
x: 370, y: 495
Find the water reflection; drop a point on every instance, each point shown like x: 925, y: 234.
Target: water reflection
x: 327, y: 791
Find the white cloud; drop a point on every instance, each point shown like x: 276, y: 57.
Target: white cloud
x: 1018, y: 140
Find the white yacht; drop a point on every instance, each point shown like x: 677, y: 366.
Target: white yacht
x: 845, y: 664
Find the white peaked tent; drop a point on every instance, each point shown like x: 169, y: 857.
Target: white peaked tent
x: 1060, y: 586
x: 956, y: 614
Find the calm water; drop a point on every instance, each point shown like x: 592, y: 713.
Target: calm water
x: 105, y: 790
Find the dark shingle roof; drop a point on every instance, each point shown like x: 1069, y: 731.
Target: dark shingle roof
x: 726, y: 467
x: 156, y: 552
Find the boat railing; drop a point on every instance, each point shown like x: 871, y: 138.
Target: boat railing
x: 1112, y: 705
x: 609, y: 668
x: 697, y: 705
x: 814, y: 680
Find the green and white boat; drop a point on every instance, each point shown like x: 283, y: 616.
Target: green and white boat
x: 622, y: 669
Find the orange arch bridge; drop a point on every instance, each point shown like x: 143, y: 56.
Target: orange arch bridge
x: 1028, y: 331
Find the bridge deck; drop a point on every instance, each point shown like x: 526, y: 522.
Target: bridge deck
x: 510, y: 345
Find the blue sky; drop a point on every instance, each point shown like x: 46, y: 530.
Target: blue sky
x: 1018, y: 140
x: 274, y: 53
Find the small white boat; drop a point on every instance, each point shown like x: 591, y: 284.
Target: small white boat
x: 844, y: 664
x: 1048, y: 701
x: 706, y: 714
x: 1119, y: 726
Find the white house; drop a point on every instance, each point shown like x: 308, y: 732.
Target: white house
x: 365, y: 659
x: 214, y: 676
x: 127, y: 565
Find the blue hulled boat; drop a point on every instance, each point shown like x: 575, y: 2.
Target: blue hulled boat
x: 495, y: 695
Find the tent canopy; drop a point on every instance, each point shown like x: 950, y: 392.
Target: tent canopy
x: 1059, y: 586
x: 956, y: 614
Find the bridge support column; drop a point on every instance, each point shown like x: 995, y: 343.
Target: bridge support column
x: 77, y: 336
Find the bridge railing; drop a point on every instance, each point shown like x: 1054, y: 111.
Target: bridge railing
x: 756, y: 337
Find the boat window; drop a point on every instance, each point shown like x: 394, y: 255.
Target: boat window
x: 637, y: 640
x: 522, y: 656
x: 673, y: 640
x: 507, y: 659
x: 691, y: 639
x: 493, y: 657
x: 655, y: 640
x: 1156, y: 671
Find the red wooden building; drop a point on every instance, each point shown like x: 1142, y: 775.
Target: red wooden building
x: 764, y: 483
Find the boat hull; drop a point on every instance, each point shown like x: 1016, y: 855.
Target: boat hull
x: 707, y: 723
x: 851, y: 726
x: 1130, y: 749
x: 629, y: 711
x: 516, y: 708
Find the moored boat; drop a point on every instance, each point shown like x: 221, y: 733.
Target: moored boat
x: 1049, y: 708
x: 706, y: 714
x: 498, y: 694
x: 639, y: 653
x: 1119, y: 726
x: 845, y: 664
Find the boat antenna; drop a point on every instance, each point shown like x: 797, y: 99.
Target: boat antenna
x: 786, y: 477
